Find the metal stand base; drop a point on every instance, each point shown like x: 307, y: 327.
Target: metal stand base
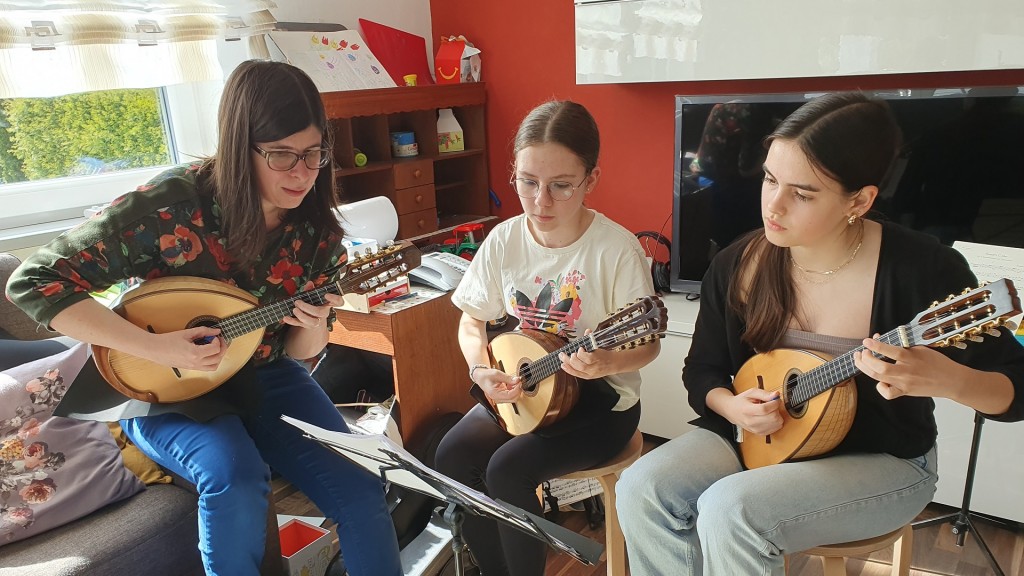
x: 961, y: 519
x: 453, y: 515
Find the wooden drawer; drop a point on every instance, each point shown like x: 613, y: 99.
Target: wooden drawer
x: 414, y: 199
x: 413, y: 173
x: 416, y: 223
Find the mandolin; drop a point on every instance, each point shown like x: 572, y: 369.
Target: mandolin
x: 548, y: 392
x: 175, y: 303
x: 818, y: 394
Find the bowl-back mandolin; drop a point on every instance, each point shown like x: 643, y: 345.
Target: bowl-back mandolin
x: 548, y: 392
x: 819, y: 397
x: 175, y: 303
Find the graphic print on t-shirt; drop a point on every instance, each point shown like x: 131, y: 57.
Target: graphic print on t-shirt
x: 556, y: 308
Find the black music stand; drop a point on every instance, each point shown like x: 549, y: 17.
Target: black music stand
x: 382, y: 457
x: 961, y: 519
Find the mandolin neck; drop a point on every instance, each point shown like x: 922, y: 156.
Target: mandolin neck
x: 263, y: 316
x: 536, y: 371
x: 836, y: 371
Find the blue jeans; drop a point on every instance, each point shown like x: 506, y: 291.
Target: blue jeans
x: 689, y: 508
x: 227, y: 458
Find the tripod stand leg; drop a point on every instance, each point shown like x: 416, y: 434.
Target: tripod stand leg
x: 961, y: 520
x: 984, y: 547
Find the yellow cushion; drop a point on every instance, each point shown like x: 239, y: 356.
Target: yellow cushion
x: 137, y: 462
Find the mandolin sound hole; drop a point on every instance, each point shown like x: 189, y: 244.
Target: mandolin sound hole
x: 526, y: 377
x: 206, y: 321
x: 798, y: 410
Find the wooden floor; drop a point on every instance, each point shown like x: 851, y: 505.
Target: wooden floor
x: 935, y: 549
x: 935, y: 552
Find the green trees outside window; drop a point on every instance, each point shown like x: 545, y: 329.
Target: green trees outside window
x: 79, y: 134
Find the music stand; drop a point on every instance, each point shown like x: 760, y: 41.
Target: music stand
x: 961, y: 519
x: 378, y: 454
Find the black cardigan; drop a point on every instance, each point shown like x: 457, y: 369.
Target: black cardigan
x: 914, y: 270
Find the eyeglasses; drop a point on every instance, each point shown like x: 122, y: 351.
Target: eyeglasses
x: 557, y: 189
x: 283, y: 160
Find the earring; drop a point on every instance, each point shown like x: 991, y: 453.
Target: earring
x: 852, y: 219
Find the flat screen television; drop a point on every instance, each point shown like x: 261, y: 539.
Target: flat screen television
x: 959, y: 174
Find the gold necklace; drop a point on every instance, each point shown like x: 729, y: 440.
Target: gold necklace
x: 828, y: 274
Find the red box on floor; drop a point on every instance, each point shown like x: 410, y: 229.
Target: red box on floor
x: 305, y: 549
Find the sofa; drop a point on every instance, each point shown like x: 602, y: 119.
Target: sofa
x: 154, y: 532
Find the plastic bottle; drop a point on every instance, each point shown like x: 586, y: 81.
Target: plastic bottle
x: 449, y: 132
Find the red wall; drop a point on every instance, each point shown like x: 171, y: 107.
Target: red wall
x: 529, y: 56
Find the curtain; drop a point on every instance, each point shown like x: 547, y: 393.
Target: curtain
x: 55, y: 47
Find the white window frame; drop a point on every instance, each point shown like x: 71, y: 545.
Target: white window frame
x: 36, y: 212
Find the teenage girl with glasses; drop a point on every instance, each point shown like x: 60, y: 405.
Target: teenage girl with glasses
x: 559, y: 267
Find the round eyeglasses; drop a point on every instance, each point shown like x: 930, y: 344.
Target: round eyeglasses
x: 284, y: 160
x: 558, y: 189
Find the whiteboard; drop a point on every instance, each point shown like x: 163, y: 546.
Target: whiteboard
x: 682, y: 40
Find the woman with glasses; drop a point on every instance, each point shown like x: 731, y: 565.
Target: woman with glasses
x: 562, y: 268
x: 258, y: 215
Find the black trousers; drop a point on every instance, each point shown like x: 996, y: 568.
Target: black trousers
x: 344, y: 371
x: 481, y: 455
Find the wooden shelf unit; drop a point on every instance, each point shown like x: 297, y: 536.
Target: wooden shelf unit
x: 431, y: 188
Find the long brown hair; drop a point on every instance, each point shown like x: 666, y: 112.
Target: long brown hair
x: 561, y: 122
x: 851, y: 138
x: 262, y: 102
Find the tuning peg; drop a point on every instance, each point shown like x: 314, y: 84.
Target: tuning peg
x: 993, y: 332
x: 1010, y: 325
x: 975, y: 338
x: 966, y: 291
x: 959, y: 345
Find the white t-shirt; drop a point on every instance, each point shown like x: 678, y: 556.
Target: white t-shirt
x: 561, y: 290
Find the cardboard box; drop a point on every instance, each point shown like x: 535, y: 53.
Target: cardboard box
x: 457, y: 61
x: 305, y: 549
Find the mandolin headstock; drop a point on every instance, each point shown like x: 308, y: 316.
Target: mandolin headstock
x: 375, y: 269
x: 967, y: 316
x: 635, y: 324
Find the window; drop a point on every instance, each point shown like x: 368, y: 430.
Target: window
x: 39, y: 203
x: 82, y: 134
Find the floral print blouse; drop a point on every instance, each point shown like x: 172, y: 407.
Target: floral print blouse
x: 167, y: 227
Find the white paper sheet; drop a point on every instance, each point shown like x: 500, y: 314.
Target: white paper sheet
x: 334, y: 60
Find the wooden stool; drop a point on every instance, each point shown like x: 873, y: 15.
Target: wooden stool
x: 834, y: 556
x: 608, y: 474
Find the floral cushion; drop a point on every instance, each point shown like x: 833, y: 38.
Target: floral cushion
x: 52, y: 470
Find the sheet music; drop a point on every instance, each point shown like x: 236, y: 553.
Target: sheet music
x: 375, y: 452
x: 571, y: 491
x: 367, y: 450
x: 989, y: 262
x: 994, y: 262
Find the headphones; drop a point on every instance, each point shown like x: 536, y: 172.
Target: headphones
x: 661, y: 271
